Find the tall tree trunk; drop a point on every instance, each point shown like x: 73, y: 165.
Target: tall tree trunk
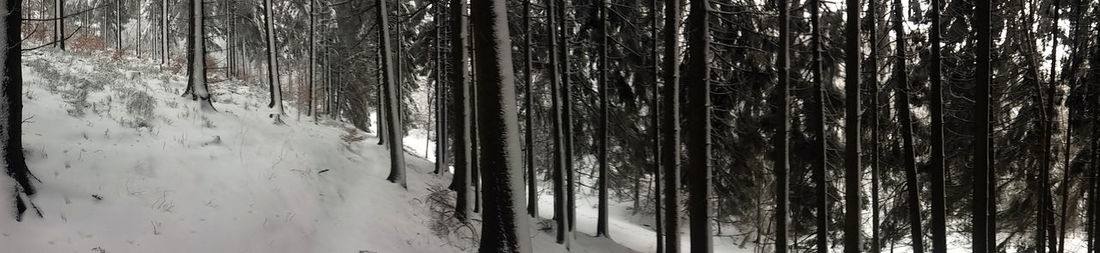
x: 312, y: 60
x: 118, y: 24
x: 11, y: 104
x: 503, y: 230
x: 273, y: 64
x: 567, y: 115
x: 939, y: 206
x: 461, y: 110
x: 670, y: 157
x: 698, y: 133
x: 529, y: 101
x: 1048, y: 197
x: 872, y: 10
x: 853, y: 176
x: 558, y: 132
x: 781, y: 164
x: 657, y: 153
x: 397, y: 152
x: 440, y: 94
x: 197, y: 61
x: 601, y: 138
x: 904, y: 118
x: 817, y: 123
x: 983, y: 76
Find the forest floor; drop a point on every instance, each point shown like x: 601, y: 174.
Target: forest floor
x: 127, y: 165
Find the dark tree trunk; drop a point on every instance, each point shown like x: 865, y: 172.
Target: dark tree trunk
x: 698, y: 132
x: 560, y: 218
x: 657, y: 169
x: 872, y: 10
x: 782, y: 136
x: 567, y: 115
x: 982, y: 76
x: 601, y: 138
x: 273, y: 64
x: 393, y: 114
x: 440, y: 94
x: 904, y: 118
x: 11, y: 104
x: 312, y: 61
x: 504, y: 230
x: 817, y: 123
x: 197, y: 88
x: 461, y: 110
x: 59, y: 24
x: 939, y: 206
x: 529, y: 100
x: 670, y: 157
x: 852, y: 178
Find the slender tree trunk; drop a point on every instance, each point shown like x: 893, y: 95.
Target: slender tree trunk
x: 853, y: 178
x: 567, y: 115
x: 698, y: 132
x: 273, y: 65
x: 529, y: 100
x: 312, y: 60
x: 11, y: 104
x: 1048, y: 197
x: 461, y: 109
x: 670, y: 157
x: 872, y: 10
x: 983, y: 76
x: 657, y: 153
x: 440, y: 94
x: 904, y: 118
x: 782, y: 137
x: 503, y: 230
x: 118, y: 24
x: 818, y: 127
x: 601, y: 219
x: 560, y: 217
x: 939, y: 206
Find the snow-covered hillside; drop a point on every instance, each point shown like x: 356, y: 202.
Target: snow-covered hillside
x: 127, y: 165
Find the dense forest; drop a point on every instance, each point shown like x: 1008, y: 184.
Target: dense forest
x: 782, y: 126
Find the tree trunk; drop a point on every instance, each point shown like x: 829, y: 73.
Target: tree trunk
x: 670, y: 158
x: 904, y: 118
x: 118, y: 24
x: 560, y: 217
x: 983, y: 76
x: 782, y: 137
x: 59, y: 24
x: 939, y: 206
x: 657, y: 168
x: 503, y: 230
x: 529, y: 100
x: 601, y: 138
x: 461, y: 110
x: 567, y: 115
x: 397, y: 152
x: 11, y: 104
x: 197, y: 61
x: 273, y: 65
x: 872, y: 9
x: 440, y: 95
x: 698, y: 132
x: 312, y: 61
x: 817, y: 123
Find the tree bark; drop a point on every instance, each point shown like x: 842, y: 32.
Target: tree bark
x: 698, y: 132
x: 461, y: 110
x: 983, y: 76
x: 393, y: 115
x: 782, y: 136
x: 670, y: 157
x: 817, y: 125
x: 197, y: 61
x: 904, y: 118
x: 503, y: 230
x: 273, y: 65
x: 529, y: 100
x: 11, y: 104
x: 601, y: 138
x: 939, y: 206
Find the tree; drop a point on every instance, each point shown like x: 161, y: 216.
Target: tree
x: 781, y: 164
x: 393, y: 111
x: 11, y: 104
x: 440, y: 94
x: 560, y: 217
x: 273, y: 64
x: 503, y: 230
x: 312, y: 61
x: 529, y: 135
x: 939, y: 206
x: 59, y: 23
x: 164, y: 57
x: 196, y: 60
x: 656, y: 118
x: 670, y: 157
x: 818, y: 127
x: 567, y: 117
x: 982, y: 76
x: 461, y: 110
x: 698, y: 133
x: 904, y: 118
x: 601, y: 219
x: 852, y: 234
x: 872, y: 18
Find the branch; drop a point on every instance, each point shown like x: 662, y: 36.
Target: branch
x: 54, y: 42
x: 63, y: 17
